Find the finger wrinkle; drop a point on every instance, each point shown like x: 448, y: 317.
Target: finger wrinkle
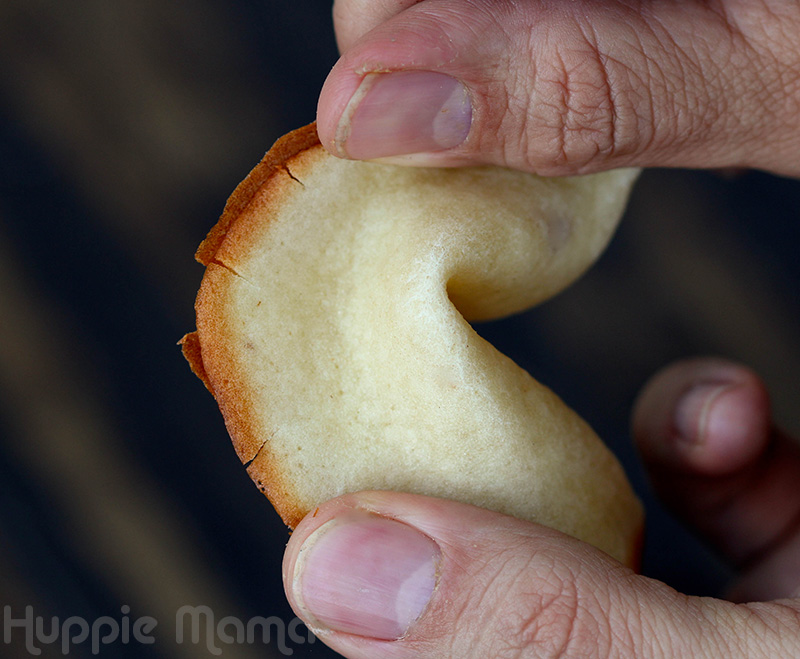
x: 752, y: 630
x: 548, y: 620
x: 549, y: 113
x: 668, y: 625
x: 565, y: 614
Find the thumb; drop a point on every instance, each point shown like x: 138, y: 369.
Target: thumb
x: 566, y: 88
x: 382, y: 574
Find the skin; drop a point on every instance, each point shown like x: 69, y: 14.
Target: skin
x: 691, y: 84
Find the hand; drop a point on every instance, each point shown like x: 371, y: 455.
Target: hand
x: 450, y: 580
x: 567, y: 87
x: 556, y: 89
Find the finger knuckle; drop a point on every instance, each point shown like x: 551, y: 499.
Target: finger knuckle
x: 587, y: 106
x: 553, y: 616
x: 576, y: 111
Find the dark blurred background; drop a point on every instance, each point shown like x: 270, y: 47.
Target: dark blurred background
x: 123, y: 127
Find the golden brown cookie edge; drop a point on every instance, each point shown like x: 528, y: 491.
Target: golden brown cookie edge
x: 208, y: 354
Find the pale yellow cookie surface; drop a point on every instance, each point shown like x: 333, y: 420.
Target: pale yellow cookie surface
x: 332, y: 332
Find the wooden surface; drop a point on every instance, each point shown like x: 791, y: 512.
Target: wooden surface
x: 123, y: 128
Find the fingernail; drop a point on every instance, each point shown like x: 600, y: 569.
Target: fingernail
x: 694, y: 410
x: 365, y: 575
x: 403, y: 112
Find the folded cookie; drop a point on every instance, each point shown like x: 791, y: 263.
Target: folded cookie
x: 332, y: 329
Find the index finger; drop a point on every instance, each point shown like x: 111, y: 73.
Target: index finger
x: 352, y: 19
